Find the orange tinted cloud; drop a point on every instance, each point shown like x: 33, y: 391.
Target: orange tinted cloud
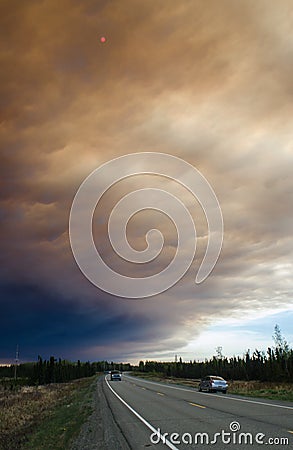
x: 209, y: 82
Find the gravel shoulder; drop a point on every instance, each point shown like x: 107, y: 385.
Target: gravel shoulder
x: 100, y: 431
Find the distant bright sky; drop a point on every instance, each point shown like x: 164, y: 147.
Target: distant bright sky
x: 207, y: 81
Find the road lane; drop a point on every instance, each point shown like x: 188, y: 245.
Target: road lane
x: 142, y: 419
x: 182, y: 410
x: 278, y: 413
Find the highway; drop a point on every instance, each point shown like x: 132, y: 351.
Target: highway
x: 157, y: 415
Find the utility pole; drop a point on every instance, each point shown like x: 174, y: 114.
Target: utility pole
x: 16, y: 361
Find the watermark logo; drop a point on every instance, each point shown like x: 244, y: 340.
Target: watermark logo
x: 109, y: 174
x: 234, y: 426
x: 233, y: 437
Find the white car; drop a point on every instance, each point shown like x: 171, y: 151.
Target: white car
x: 213, y: 383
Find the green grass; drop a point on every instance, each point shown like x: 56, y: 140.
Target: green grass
x: 64, y: 422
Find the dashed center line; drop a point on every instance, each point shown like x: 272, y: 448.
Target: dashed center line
x: 159, y: 393
x: 289, y: 431
x: 199, y: 406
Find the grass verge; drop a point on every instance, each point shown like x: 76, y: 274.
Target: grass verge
x: 269, y: 390
x: 47, y: 417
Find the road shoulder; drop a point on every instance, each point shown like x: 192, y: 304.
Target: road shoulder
x: 100, y: 431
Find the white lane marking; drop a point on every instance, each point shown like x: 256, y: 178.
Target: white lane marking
x: 214, y: 395
x: 162, y: 437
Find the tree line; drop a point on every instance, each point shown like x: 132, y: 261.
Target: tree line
x: 276, y: 364
x: 56, y: 370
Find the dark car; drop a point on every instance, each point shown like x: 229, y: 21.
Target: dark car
x: 213, y: 383
x: 115, y: 375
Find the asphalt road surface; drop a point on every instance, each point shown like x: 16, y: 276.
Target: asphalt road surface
x: 156, y: 415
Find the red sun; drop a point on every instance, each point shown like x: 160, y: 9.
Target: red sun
x: 102, y: 39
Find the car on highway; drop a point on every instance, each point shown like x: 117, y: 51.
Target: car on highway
x: 213, y: 383
x: 115, y: 375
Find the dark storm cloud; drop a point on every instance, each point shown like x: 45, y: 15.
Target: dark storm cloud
x: 38, y: 319
x: 210, y: 82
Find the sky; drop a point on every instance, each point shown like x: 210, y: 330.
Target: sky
x: 206, y: 81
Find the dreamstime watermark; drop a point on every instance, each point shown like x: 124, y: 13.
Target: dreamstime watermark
x: 233, y: 437
x: 109, y: 174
